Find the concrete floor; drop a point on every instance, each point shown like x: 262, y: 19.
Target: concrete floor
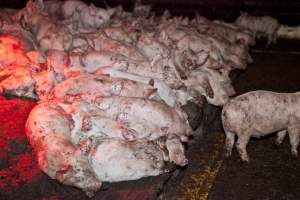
x: 272, y: 173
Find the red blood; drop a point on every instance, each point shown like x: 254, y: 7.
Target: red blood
x: 14, y: 114
x: 17, y: 47
x: 15, y: 168
x: 19, y: 168
x: 23, y: 170
x: 3, y: 147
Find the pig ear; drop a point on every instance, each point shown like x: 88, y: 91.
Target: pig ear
x: 106, y: 5
x: 92, y: 6
x: 92, y: 9
x: 185, y: 21
x: 40, y: 5
x: 166, y: 14
x: 110, y: 11
x: 30, y: 7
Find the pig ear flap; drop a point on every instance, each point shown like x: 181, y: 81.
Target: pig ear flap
x: 106, y: 5
x: 30, y: 7
x: 40, y: 5
x: 166, y: 15
x: 137, y: 3
x: 185, y: 21
x: 92, y: 6
x: 110, y: 12
x: 93, y: 9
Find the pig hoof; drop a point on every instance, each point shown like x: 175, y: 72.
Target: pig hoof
x: 246, y: 159
x: 227, y: 154
x: 278, y: 143
x: 294, y: 154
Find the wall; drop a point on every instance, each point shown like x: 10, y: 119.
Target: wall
x: 286, y: 11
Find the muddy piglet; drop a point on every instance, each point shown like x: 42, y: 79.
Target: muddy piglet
x: 259, y: 113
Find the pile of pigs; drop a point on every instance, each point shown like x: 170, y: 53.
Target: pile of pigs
x: 111, y: 83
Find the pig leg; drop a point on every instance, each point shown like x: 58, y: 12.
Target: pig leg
x: 280, y: 136
x: 229, y: 142
x: 241, y: 146
x: 294, y: 139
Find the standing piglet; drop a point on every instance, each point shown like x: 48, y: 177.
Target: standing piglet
x: 259, y: 113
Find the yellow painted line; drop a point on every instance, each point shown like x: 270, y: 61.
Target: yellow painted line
x: 202, y: 181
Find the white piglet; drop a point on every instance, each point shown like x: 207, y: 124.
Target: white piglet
x: 259, y: 113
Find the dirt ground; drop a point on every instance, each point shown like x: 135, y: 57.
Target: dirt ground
x: 271, y: 174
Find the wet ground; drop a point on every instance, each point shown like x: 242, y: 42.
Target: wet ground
x: 272, y: 173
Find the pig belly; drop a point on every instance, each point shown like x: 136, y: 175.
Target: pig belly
x: 265, y: 129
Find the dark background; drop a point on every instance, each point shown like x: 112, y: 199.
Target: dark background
x: 286, y: 11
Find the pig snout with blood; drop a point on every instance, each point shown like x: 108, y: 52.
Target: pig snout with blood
x: 259, y: 113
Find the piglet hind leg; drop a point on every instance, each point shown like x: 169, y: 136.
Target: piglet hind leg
x: 294, y: 139
x: 229, y: 142
x: 241, y: 146
x: 280, y: 136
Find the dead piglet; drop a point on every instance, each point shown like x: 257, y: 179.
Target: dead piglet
x: 83, y: 16
x: 259, y: 113
x: 48, y: 129
x: 117, y: 160
x: 46, y: 32
x: 93, y: 18
x: 90, y: 87
x: 72, y: 8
